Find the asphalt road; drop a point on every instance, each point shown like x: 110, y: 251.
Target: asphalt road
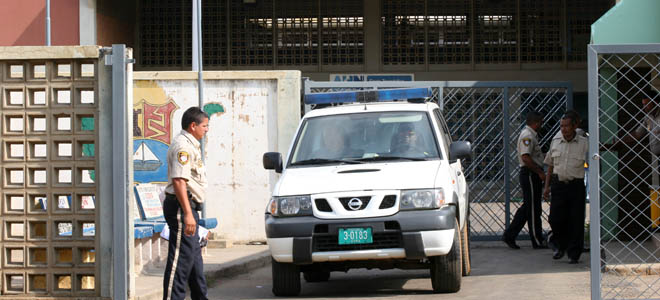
x: 498, y: 273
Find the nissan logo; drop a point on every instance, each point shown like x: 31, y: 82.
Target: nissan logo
x: 354, y: 204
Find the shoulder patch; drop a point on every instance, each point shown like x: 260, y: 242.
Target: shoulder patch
x: 526, y: 141
x: 183, y: 157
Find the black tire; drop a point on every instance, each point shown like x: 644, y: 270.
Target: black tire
x: 446, y: 270
x: 316, y: 276
x: 466, y: 253
x: 286, y: 279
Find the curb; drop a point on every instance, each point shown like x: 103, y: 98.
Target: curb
x: 225, y: 270
x: 632, y: 269
x: 237, y: 267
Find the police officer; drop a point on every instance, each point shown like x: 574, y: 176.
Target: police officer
x: 580, y: 132
x: 530, y: 159
x: 565, y: 162
x: 186, y: 181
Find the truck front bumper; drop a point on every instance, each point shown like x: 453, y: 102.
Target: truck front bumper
x: 405, y: 235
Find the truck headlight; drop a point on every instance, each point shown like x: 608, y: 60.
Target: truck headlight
x: 290, y: 206
x: 422, y: 199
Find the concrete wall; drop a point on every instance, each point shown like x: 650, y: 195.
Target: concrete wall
x: 251, y: 113
x: 23, y: 22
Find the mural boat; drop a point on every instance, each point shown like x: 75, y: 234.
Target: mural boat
x: 145, y: 160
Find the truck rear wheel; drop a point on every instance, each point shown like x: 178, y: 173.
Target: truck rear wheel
x: 466, y: 256
x: 286, y: 279
x: 446, y: 270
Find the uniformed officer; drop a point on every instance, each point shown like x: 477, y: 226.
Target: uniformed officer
x: 580, y: 132
x: 186, y: 182
x: 565, y: 162
x: 530, y: 159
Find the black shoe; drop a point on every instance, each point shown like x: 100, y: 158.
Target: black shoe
x: 558, y: 254
x: 541, y: 246
x: 573, y: 261
x: 511, y: 243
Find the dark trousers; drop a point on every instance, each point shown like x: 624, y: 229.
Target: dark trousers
x: 530, y: 210
x: 184, y: 256
x: 567, y: 207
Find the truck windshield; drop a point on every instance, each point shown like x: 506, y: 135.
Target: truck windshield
x: 365, y: 137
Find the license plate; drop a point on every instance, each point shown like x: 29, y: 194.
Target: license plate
x: 348, y: 236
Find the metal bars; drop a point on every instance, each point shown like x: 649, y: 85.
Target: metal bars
x: 540, y: 31
x: 623, y: 177
x: 418, y: 34
x: 342, y: 34
x: 448, y: 31
x: 403, y: 32
x: 297, y: 33
x: 490, y: 115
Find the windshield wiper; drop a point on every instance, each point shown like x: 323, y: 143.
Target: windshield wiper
x: 315, y: 161
x: 383, y: 158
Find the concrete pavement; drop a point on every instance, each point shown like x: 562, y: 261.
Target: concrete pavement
x: 498, y: 273
x: 218, y: 264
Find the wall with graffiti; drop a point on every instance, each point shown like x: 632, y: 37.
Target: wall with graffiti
x: 247, y: 118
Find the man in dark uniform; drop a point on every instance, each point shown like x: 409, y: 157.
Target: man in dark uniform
x: 186, y: 181
x: 530, y: 159
x: 565, y: 183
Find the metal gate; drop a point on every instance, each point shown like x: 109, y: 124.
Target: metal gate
x: 59, y: 182
x: 491, y: 116
x: 623, y: 177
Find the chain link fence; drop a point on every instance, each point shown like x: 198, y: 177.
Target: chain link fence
x: 625, y: 241
x: 491, y: 116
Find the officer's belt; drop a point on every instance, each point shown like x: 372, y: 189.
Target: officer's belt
x: 194, y: 205
x: 555, y: 180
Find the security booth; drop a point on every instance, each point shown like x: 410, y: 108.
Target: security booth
x: 624, y: 68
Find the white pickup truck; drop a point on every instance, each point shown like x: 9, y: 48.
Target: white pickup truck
x: 369, y: 185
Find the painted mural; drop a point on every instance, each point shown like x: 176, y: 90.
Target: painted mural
x: 153, y: 130
x: 153, y: 111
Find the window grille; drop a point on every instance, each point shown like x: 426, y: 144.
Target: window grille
x: 161, y: 33
x: 540, y: 31
x: 297, y: 33
x: 251, y: 33
x: 496, y: 32
x: 449, y: 31
x: 403, y: 32
x: 342, y: 32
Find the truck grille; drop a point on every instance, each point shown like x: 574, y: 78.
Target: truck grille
x: 365, y: 201
x: 382, y: 240
x: 388, y: 201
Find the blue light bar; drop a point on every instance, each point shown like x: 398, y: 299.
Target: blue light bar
x: 367, y: 96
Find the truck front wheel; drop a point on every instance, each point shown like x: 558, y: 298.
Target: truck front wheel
x: 446, y: 270
x: 286, y: 279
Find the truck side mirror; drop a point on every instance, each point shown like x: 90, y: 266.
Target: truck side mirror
x: 273, y: 161
x: 460, y: 150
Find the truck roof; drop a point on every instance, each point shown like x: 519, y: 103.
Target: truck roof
x: 371, y: 107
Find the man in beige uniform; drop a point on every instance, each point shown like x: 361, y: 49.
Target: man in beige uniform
x: 565, y: 162
x: 530, y: 159
x: 186, y: 181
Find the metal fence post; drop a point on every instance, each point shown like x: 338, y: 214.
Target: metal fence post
x: 505, y: 148
x: 120, y: 161
x: 594, y: 171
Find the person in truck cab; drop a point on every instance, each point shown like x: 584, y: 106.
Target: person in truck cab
x: 406, y: 142
x: 335, y: 144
